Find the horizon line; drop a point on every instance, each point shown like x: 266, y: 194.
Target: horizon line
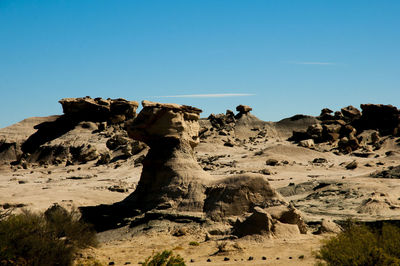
x: 210, y: 95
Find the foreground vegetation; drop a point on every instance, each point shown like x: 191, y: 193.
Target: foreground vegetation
x: 49, y: 238
x: 361, y: 245
x: 165, y: 258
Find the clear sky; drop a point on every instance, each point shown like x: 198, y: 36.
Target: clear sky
x: 280, y: 57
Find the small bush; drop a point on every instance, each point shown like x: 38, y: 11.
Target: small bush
x: 65, y: 224
x: 42, y: 239
x: 194, y: 243
x: 165, y: 258
x: 5, y: 213
x: 360, y: 245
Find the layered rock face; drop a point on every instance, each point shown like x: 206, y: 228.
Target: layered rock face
x: 98, y: 109
x: 99, y: 123
x: 171, y: 176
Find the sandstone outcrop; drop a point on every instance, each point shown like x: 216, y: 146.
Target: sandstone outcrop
x: 173, y: 186
x: 98, y: 109
x: 384, y: 118
x: 99, y: 124
x: 239, y: 194
x: 344, y: 130
x: 171, y: 175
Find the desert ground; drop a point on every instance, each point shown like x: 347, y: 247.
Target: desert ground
x: 324, y: 180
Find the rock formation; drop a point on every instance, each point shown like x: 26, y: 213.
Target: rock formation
x: 173, y: 186
x: 384, y: 118
x: 171, y: 175
x: 344, y: 130
x: 99, y: 124
x: 98, y: 109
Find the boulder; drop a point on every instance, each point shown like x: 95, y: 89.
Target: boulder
x: 308, y: 143
x: 328, y: 226
x: 10, y: 150
x: 326, y: 114
x: 282, y: 230
x: 238, y: 194
x: 352, y: 165
x: 350, y: 113
x: 288, y: 215
x: 259, y: 222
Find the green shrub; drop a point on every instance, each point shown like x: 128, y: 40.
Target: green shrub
x: 165, y: 258
x: 5, y: 213
x: 194, y: 243
x: 38, y: 239
x: 65, y: 224
x: 360, y: 245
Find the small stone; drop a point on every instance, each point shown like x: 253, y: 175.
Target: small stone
x: 320, y: 160
x: 271, y: 162
x: 111, y: 263
x: 250, y: 258
x: 191, y: 260
x: 226, y: 259
x: 208, y: 260
x: 352, y: 165
x: 264, y: 258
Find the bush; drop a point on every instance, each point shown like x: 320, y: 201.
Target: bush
x: 165, y: 258
x: 360, y: 245
x: 194, y: 243
x: 43, y: 239
x: 5, y: 213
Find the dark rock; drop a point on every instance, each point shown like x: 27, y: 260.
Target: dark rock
x: 385, y: 118
x: 352, y: 165
x: 118, y: 188
x: 271, y: 162
x: 243, y: 109
x: 392, y: 172
x: 105, y: 158
x: 320, y: 160
x: 351, y: 113
x: 88, y: 109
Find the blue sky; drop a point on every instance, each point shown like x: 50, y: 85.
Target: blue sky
x: 280, y: 57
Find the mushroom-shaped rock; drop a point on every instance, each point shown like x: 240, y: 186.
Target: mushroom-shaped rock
x: 158, y: 122
x: 171, y: 175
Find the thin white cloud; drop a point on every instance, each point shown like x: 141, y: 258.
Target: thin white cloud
x: 313, y: 63
x: 216, y: 95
